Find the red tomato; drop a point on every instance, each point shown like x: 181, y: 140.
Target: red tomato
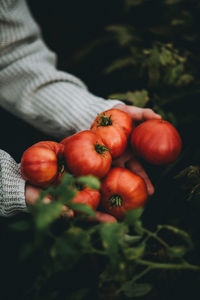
x: 85, y: 154
x: 122, y: 190
x: 39, y: 163
x: 114, y: 126
x: 103, y: 217
x: 88, y: 196
x: 157, y: 141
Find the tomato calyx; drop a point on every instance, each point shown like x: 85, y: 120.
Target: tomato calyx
x: 101, y: 148
x: 116, y: 200
x: 104, y: 120
x: 79, y: 186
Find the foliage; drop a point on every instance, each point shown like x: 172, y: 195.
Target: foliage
x: 107, y: 255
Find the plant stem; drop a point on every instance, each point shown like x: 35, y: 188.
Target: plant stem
x: 101, y: 148
x: 104, y: 120
x: 155, y: 265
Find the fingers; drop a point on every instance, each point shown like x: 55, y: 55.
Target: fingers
x: 135, y: 166
x: 121, y: 161
x: 137, y: 113
x: 32, y: 193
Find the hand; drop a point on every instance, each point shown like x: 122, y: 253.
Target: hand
x: 32, y: 194
x: 127, y: 160
x: 137, y: 113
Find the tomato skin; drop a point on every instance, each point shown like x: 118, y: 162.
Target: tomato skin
x: 39, y: 163
x: 129, y: 186
x: 114, y: 135
x: 156, y: 141
x: 88, y: 196
x: 81, y: 157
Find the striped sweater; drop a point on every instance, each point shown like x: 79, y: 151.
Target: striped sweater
x: 33, y: 89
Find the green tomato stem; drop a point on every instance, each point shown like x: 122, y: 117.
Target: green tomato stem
x: 101, y: 148
x: 104, y: 120
x: 116, y: 200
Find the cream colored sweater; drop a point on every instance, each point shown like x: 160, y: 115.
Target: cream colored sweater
x: 31, y: 88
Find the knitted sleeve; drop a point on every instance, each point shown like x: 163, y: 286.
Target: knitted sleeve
x: 12, y: 186
x: 31, y: 87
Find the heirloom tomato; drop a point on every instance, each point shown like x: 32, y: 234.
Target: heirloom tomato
x: 156, y: 141
x: 40, y: 163
x: 86, y: 154
x: 86, y: 195
x: 113, y: 126
x: 122, y: 190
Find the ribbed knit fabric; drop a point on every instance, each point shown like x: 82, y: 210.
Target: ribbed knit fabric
x: 12, y: 186
x: 31, y: 88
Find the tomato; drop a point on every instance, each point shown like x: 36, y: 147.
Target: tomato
x: 87, y: 196
x: 157, y: 141
x: 85, y: 154
x: 114, y: 126
x: 40, y: 163
x: 122, y: 190
x: 103, y: 217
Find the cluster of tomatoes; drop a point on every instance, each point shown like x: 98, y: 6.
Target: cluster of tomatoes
x: 91, y: 152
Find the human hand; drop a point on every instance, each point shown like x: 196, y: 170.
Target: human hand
x: 32, y: 193
x: 127, y: 159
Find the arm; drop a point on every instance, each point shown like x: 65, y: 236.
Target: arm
x: 12, y: 186
x: 31, y: 87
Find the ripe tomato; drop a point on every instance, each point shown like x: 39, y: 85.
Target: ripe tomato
x: 85, y: 154
x: 40, y: 163
x: 122, y: 190
x: 114, y: 126
x: 157, y: 141
x: 87, y: 196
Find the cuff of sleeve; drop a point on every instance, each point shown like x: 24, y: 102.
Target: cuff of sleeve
x: 12, y: 194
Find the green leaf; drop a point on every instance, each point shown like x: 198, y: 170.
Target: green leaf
x: 122, y: 33
x: 184, y: 79
x: 133, y: 216
x: 91, y: 181
x: 137, y: 98
x: 74, y: 243
x: 132, y: 290
x: 128, y: 240
x: 120, y: 64
x: 111, y: 234
x: 135, y: 252
x: 84, y: 208
x: 176, y: 251
x: 47, y: 213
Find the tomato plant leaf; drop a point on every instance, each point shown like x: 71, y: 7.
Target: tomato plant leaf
x: 91, y: 181
x: 84, y: 208
x: 111, y: 234
x: 132, y: 216
x: 46, y: 213
x: 136, y: 289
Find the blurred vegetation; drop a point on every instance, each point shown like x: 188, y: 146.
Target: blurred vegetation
x: 146, y: 53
